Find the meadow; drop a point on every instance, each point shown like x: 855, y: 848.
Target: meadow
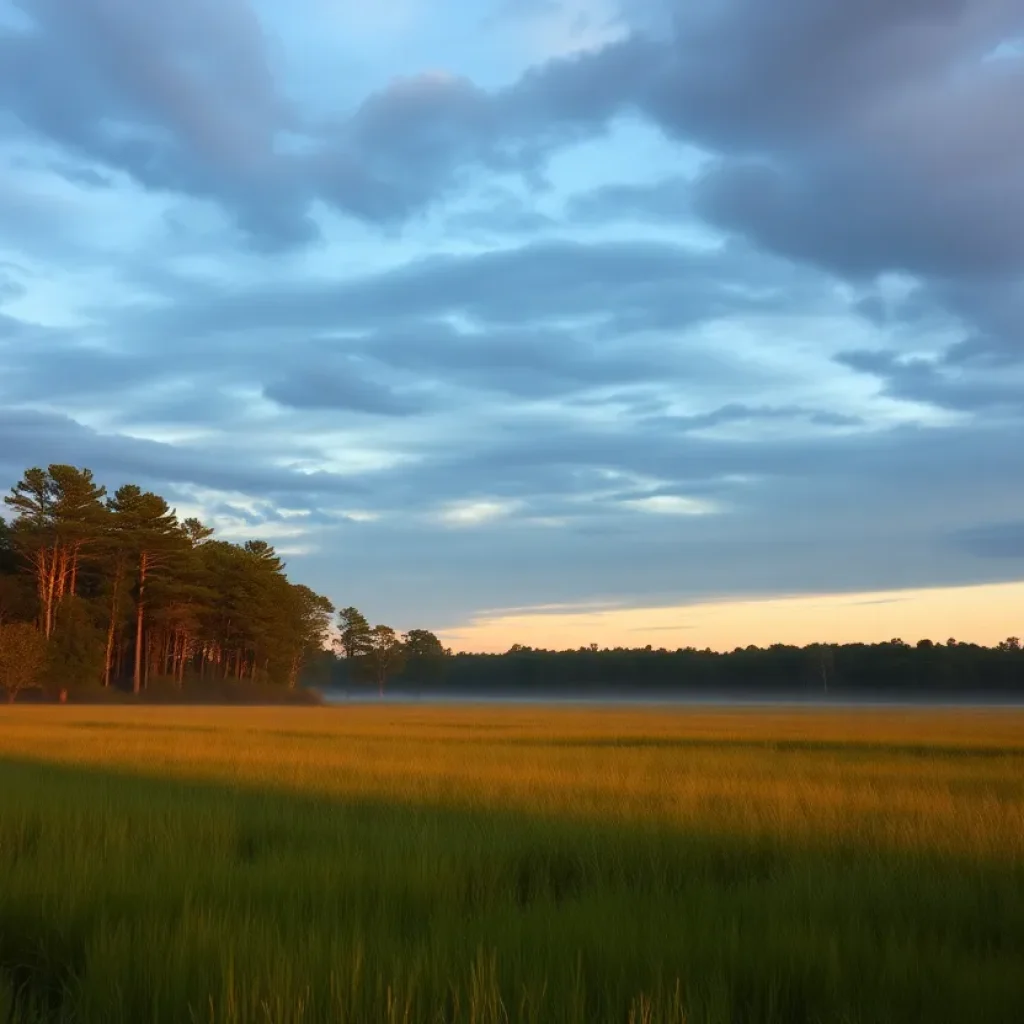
x: 417, y: 864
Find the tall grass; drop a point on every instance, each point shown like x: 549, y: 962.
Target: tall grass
x: 367, y: 865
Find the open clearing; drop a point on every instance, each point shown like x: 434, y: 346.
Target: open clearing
x: 407, y: 863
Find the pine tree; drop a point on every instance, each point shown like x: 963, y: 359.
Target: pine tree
x: 151, y: 529
x: 354, y: 639
x: 58, y: 513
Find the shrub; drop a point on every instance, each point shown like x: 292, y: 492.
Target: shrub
x: 23, y: 651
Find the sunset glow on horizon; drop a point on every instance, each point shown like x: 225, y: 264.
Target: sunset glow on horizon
x: 982, y: 614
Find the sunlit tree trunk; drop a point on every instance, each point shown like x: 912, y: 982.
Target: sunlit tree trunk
x: 140, y: 614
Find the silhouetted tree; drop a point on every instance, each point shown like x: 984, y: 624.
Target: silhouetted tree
x: 385, y: 656
x: 354, y: 639
x: 425, y: 657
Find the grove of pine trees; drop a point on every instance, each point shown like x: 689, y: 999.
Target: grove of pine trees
x: 115, y: 590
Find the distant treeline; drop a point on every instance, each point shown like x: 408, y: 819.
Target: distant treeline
x: 895, y: 668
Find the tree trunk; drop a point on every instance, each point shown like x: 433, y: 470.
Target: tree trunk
x: 186, y: 646
x: 108, y: 660
x: 167, y: 648
x: 112, y: 625
x: 140, y: 612
x: 73, y: 589
x: 60, y: 557
x: 48, y: 581
x: 178, y: 656
x: 154, y: 640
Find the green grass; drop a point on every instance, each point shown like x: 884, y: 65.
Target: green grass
x: 370, y: 865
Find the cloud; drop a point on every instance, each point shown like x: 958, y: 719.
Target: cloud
x: 475, y: 513
x: 343, y: 390
x: 999, y: 540
x: 500, y: 215
x: 29, y: 437
x: 669, y: 200
x: 671, y: 505
x: 864, y: 139
x: 540, y: 321
x: 498, y: 355
x: 10, y: 289
x: 180, y: 96
x: 834, y: 125
x: 950, y: 382
x: 203, y: 115
x: 739, y: 413
x: 628, y: 284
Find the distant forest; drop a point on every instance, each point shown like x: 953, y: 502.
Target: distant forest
x: 887, y: 670
x: 113, y: 593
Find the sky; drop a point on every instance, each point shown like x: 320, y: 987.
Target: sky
x: 538, y: 321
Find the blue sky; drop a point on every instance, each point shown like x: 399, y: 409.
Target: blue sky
x: 518, y: 304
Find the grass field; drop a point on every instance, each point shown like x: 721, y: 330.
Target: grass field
x: 479, y: 865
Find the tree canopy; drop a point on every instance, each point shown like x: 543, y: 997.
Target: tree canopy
x: 121, y: 590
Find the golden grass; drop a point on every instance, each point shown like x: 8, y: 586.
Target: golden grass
x: 488, y: 865
x: 942, y: 779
